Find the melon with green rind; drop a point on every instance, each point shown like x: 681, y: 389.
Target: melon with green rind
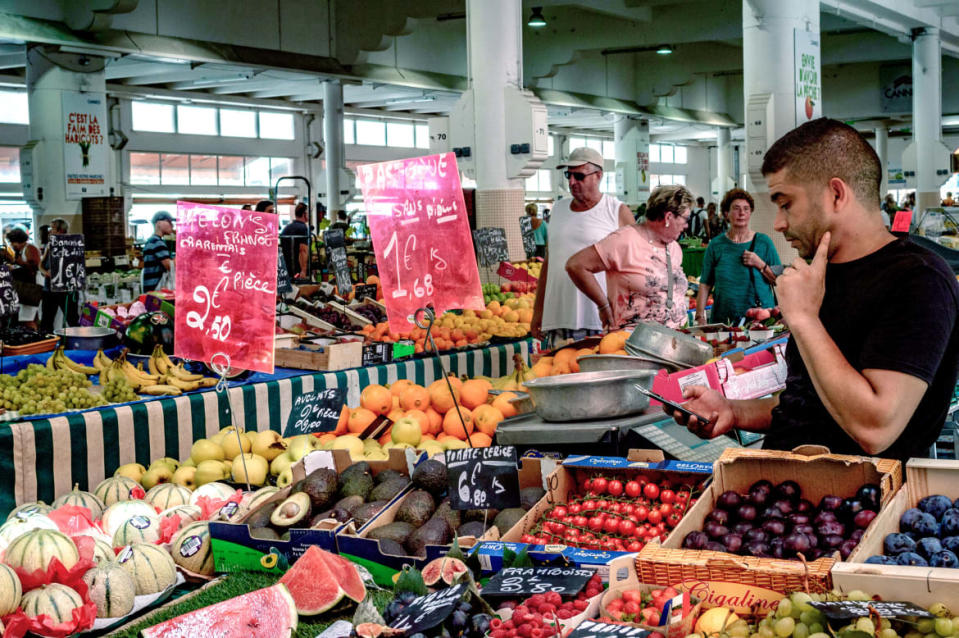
x: 55, y: 600
x: 187, y: 514
x: 10, y: 590
x: 151, y: 567
x: 30, y: 509
x: 13, y: 529
x: 34, y: 550
x: 137, y: 529
x: 119, y: 513
x: 112, y: 589
x: 167, y: 495
x: 102, y: 551
x: 259, y: 497
x: 215, y: 490
x: 115, y: 489
x: 80, y: 498
x: 191, y: 548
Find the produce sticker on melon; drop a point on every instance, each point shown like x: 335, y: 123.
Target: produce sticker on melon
x: 226, y: 286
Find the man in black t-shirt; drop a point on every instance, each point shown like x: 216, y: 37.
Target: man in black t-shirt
x: 874, y: 347
x: 293, y: 239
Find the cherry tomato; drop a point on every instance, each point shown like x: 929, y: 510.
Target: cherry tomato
x: 634, y: 546
x: 665, y: 509
x: 596, y: 523
x: 633, y: 489
x: 651, y: 490
x: 642, y: 513
x: 599, y: 485
x: 667, y: 496
x: 655, y: 517
x: 616, y: 508
x: 589, y: 505
x: 559, y: 512
x: 526, y: 538
x: 602, y: 504
x: 673, y: 519
x: 615, y: 488
x: 575, y: 508
x: 580, y: 521
x: 611, y: 525
x: 627, y: 527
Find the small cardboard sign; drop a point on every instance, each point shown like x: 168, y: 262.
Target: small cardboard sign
x: 315, y: 412
x: 335, y: 242
x: 526, y: 229
x: 593, y: 629
x: 9, y: 301
x: 902, y: 221
x: 483, y: 478
x: 428, y: 611
x: 362, y: 291
x: 491, y: 246
x: 846, y: 609
x: 513, y: 581
x: 68, y: 269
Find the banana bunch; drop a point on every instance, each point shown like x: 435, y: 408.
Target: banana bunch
x: 174, y: 374
x: 60, y: 361
x: 141, y: 382
x: 101, y: 361
x: 514, y: 382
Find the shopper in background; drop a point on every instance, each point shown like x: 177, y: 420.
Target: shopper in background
x: 874, y: 345
x: 697, y: 222
x: 736, y: 266
x: 246, y: 207
x: 560, y: 309
x: 540, y: 229
x: 342, y: 221
x: 52, y: 301
x: 643, y: 265
x: 948, y: 201
x: 24, y: 269
x: 157, y: 262
x: 265, y: 206
x: 714, y: 223
x: 294, y: 239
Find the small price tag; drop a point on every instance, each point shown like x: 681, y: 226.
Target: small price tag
x: 335, y: 242
x: 68, y: 270
x: 593, y: 629
x: 843, y: 610
x: 315, y: 412
x: 491, y: 245
x: 511, y: 581
x: 283, y: 282
x: 526, y: 228
x: 362, y: 291
x: 483, y: 478
x: 428, y: 611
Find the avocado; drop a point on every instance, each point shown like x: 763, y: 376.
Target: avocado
x: 295, y: 509
x: 387, y: 490
x: 389, y: 546
x: 479, y: 515
x: 349, y: 503
x: 529, y: 496
x: 388, y: 475
x: 335, y: 514
x: 447, y: 513
x: 364, y: 513
x: 505, y: 520
x: 434, y: 532
x: 361, y: 467
x: 417, y: 508
x: 320, y: 485
x: 396, y: 532
x: 264, y: 533
x: 261, y: 517
x: 430, y: 475
x: 357, y: 485
x: 473, y: 528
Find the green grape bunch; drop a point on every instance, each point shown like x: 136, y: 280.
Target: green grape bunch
x: 37, y: 389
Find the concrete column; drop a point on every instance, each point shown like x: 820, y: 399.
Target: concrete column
x: 724, y: 164
x: 927, y: 116
x: 631, y: 137
x: 882, y: 150
x: 333, y: 139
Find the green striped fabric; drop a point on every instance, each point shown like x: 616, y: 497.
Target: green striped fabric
x: 40, y: 460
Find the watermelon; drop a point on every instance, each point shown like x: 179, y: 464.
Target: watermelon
x: 264, y: 613
x: 149, y: 330
x: 318, y: 581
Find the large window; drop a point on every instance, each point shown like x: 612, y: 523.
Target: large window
x: 370, y: 133
x: 276, y: 126
x: 422, y: 136
x: 203, y: 170
x: 540, y: 182
x: 392, y: 133
x: 349, y: 131
x: 9, y: 164
x: 14, y: 108
x: 155, y: 117
x: 667, y: 154
x: 196, y: 120
x: 400, y: 134
x: 189, y: 119
x: 666, y: 180
x: 237, y: 123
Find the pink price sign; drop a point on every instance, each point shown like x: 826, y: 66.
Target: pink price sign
x: 421, y: 237
x: 225, y: 286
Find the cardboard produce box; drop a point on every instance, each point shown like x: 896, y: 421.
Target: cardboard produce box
x: 741, y: 582
x: 309, y: 356
x: 921, y: 585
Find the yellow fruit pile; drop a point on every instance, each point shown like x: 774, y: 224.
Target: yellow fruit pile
x: 566, y: 360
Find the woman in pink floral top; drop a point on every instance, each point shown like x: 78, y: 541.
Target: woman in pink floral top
x: 643, y: 265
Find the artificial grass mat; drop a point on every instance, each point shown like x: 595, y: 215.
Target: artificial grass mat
x: 239, y: 583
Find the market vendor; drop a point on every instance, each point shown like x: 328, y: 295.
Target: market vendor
x: 874, y: 344
x: 157, y: 262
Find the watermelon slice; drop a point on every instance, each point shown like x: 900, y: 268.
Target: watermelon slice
x: 318, y: 581
x: 264, y: 613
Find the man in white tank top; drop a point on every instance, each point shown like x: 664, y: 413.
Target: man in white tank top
x: 561, y: 310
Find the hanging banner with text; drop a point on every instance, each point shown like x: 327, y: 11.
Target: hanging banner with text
x: 421, y: 237
x: 808, y: 78
x: 86, y: 152
x: 226, y: 286
x: 68, y: 266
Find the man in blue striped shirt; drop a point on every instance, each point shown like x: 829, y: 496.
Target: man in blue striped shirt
x: 156, y: 255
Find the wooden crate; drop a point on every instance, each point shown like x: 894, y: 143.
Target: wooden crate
x: 338, y: 356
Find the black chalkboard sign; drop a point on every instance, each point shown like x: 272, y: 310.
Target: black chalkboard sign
x: 491, y: 246
x: 335, y: 242
x: 846, y: 609
x: 483, y: 478
x: 512, y: 581
x: 283, y: 283
x: 68, y: 267
x: 428, y: 611
x: 593, y: 629
x: 364, y: 290
x: 315, y: 412
x: 526, y: 229
x: 377, y: 353
x: 9, y: 301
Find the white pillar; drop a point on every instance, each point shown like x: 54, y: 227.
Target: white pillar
x: 724, y: 163
x: 882, y: 150
x: 631, y: 137
x: 333, y: 139
x: 927, y: 115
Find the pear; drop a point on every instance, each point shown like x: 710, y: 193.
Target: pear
x: 300, y: 447
x: 268, y: 444
x: 208, y: 472
x: 131, y: 471
x: 156, y: 475
x: 256, y: 469
x: 280, y: 463
x: 232, y: 447
x: 166, y: 461
x: 285, y: 478
x: 185, y: 476
x: 206, y: 450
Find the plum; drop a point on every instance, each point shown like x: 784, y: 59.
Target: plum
x: 849, y: 508
x: 758, y: 549
x: 911, y: 558
x: 796, y: 544
x: 719, y: 516
x: 761, y: 486
x: 898, y: 543
x: 831, y: 527
x: 728, y: 500
x: 909, y: 518
x: 771, y: 512
x: 928, y: 546
x: 788, y: 490
x: 713, y: 546
x: 829, y: 503
x: 926, y: 525
x: 945, y: 558
x: 832, y: 541
x: 757, y: 535
x: 857, y: 534
x: 950, y: 522
x: 804, y: 529
x: 741, y: 528
x: 784, y: 505
x: 937, y: 504
x: 846, y: 548
x: 951, y: 543
x: 805, y: 506
x: 774, y: 527
x: 863, y: 518
x: 881, y: 560
x: 695, y: 540
x: 824, y: 516
x: 714, y: 530
x: 797, y: 519
x: 955, y: 503
x: 732, y: 542
x: 747, y: 512
x: 870, y: 495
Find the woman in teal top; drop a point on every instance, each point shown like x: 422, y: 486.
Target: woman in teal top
x: 736, y: 266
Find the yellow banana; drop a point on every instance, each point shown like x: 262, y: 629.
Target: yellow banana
x: 153, y: 365
x: 131, y: 370
x: 72, y: 365
x: 105, y: 361
x: 159, y: 364
x: 180, y: 373
x: 52, y: 361
x: 118, y: 370
x: 208, y: 382
x: 179, y: 383
x: 160, y: 389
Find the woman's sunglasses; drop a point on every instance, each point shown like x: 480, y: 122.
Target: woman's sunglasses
x: 578, y: 176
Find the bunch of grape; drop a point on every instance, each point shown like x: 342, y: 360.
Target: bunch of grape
x: 40, y: 390
x: 119, y: 391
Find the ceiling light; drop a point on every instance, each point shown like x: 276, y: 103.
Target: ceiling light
x: 536, y: 19
x: 664, y: 49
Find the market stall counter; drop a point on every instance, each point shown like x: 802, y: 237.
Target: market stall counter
x: 44, y: 457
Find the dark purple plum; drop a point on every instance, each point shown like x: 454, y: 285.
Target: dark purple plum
x: 771, y: 512
x: 762, y: 485
x: 832, y: 541
x: 928, y: 546
x: 784, y: 505
x: 695, y: 540
x: 945, y: 558
x: 776, y: 547
x: 797, y: 519
x: 879, y: 559
x: 951, y: 543
x: 825, y: 516
x: 927, y: 525
x: 747, y: 512
x: 816, y: 554
x: 756, y: 535
x: 788, y: 490
x: 760, y: 492
x: 863, y: 518
x: 950, y: 522
x: 831, y: 527
x: 857, y: 534
x: 741, y: 528
x: 937, y: 504
x: 728, y: 500
x: 898, y: 543
x: 805, y: 506
x: 733, y: 542
x: 911, y: 558
x: 718, y: 516
x: 829, y: 503
x: 713, y: 546
x: 808, y: 530
x: 796, y: 544
x: 849, y: 508
x: 870, y: 495
x: 846, y: 548
x: 758, y: 549
x: 909, y: 518
x: 774, y: 527
x: 715, y: 531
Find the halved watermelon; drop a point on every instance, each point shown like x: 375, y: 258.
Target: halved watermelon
x: 264, y: 613
x: 318, y: 581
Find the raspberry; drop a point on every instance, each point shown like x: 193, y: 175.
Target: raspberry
x: 525, y: 630
x: 536, y: 600
x: 546, y: 608
x: 580, y: 605
x: 563, y: 614
x: 554, y: 598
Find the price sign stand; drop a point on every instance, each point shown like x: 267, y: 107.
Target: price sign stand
x: 222, y: 388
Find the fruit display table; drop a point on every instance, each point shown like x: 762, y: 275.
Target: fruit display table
x: 42, y: 458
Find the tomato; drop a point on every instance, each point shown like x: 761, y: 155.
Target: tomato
x: 602, y: 504
x: 559, y: 512
x: 642, y: 512
x: 627, y: 527
x: 580, y: 521
x: 633, y: 489
x: 673, y: 519
x: 629, y: 508
x: 599, y: 485
x: 651, y: 490
x: 596, y: 523
x: 609, y: 544
x: 575, y: 508
x: 589, y: 506
x: 665, y: 509
x: 616, y: 508
x: 615, y: 488
x: 667, y: 496
x: 526, y: 538
x: 611, y: 525
x: 655, y: 517
x: 634, y: 546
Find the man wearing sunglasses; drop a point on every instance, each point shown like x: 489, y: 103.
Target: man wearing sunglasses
x: 561, y: 311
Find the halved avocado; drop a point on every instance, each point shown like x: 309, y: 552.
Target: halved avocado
x: 294, y: 509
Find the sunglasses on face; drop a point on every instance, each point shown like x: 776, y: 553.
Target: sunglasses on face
x: 577, y: 175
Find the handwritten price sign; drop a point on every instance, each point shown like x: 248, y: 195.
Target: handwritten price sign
x: 421, y: 236
x: 68, y: 270
x: 226, y: 286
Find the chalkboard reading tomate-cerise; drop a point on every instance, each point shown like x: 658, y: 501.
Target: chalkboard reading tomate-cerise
x: 512, y: 581
x: 428, y: 611
x: 846, y: 609
x: 592, y: 629
x: 526, y: 229
x: 491, y: 245
x: 335, y: 242
x: 315, y: 412
x: 482, y: 478
x: 68, y: 267
x: 9, y: 301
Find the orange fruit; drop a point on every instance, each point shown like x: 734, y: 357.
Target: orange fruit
x: 397, y: 388
x: 436, y: 421
x: 453, y: 426
x: 612, y: 342
x: 440, y: 398
x: 475, y: 392
x: 360, y: 419
x: 372, y: 279
x: 486, y: 418
x: 376, y: 398
x: 342, y: 423
x: 502, y: 404
x: 386, y: 437
x: 478, y: 439
x: 415, y: 397
x: 421, y: 418
x: 395, y: 415
x: 565, y: 355
x: 542, y: 369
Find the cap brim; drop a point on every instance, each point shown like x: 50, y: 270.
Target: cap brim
x: 577, y: 164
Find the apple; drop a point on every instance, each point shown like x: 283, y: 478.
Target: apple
x: 268, y: 444
x: 208, y: 471
x: 281, y: 463
x: 285, y: 478
x: 185, y: 476
x: 156, y: 475
x: 133, y: 471
x: 251, y: 468
x: 206, y: 450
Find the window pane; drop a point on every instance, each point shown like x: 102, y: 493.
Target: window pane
x: 550, y: 146
x: 609, y: 149
x: 196, y: 120
x: 348, y: 136
x: 532, y: 183
x: 575, y: 143
x: 653, y: 180
x: 544, y: 180
x: 680, y: 155
x: 9, y: 164
x: 280, y: 167
x: 370, y: 133
x: 679, y: 179
x: 13, y: 108
x: 399, y: 135
x: 174, y: 169
x: 152, y: 116
x: 257, y: 171
x: 235, y: 123
x: 666, y: 154
x: 230, y: 171
x: 595, y: 143
x: 276, y: 126
x: 654, y: 153
x: 202, y: 170
x: 144, y: 168
x: 422, y: 136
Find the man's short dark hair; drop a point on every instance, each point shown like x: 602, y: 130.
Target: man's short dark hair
x: 667, y: 199
x: 733, y: 195
x: 823, y: 149
x: 700, y: 202
x: 262, y: 205
x: 300, y: 211
x: 342, y: 216
x: 17, y: 236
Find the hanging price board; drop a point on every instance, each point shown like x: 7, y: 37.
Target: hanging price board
x: 335, y: 242
x: 482, y: 478
x: 315, y: 412
x: 491, y: 245
x: 421, y: 237
x: 515, y: 581
x: 847, y: 609
x: 226, y: 286
x: 529, y: 242
x: 68, y: 270
x: 361, y: 291
x: 9, y: 301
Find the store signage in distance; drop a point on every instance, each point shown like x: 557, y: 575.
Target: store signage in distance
x: 526, y: 229
x: 226, y: 286
x: 68, y: 268
x: 421, y: 237
x: 9, y: 301
x: 482, y: 478
x: 315, y: 412
x: 491, y: 245
x: 335, y: 242
x: 526, y: 581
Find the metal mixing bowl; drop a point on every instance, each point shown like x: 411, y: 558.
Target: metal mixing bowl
x: 87, y: 337
x: 652, y: 340
x: 590, y: 395
x: 603, y: 362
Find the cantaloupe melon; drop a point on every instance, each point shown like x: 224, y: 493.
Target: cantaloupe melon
x: 112, y: 589
x: 187, y: 514
x: 34, y: 550
x: 122, y: 511
x: 167, y: 495
x: 115, y: 489
x: 215, y: 490
x: 56, y: 601
x: 10, y: 590
x: 17, y: 527
x: 102, y: 552
x: 30, y: 509
x: 150, y: 566
x: 191, y: 548
x: 137, y: 529
x: 81, y: 499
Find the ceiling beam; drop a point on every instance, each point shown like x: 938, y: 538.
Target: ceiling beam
x: 12, y: 60
x: 119, y: 70
x: 199, y: 97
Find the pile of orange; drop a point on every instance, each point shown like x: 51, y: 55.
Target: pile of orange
x: 566, y: 360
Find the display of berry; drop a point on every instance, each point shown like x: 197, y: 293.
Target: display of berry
x: 548, y: 607
x: 776, y: 522
x: 635, y: 606
x: 928, y: 535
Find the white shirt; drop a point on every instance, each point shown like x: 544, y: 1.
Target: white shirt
x: 564, y: 306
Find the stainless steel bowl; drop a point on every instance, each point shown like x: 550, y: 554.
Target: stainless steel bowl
x: 652, y: 340
x: 590, y: 395
x: 603, y: 362
x: 87, y: 337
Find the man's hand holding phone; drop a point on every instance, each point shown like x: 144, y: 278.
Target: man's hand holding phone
x: 712, y: 405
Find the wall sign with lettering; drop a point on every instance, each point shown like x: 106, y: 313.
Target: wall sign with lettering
x: 428, y: 611
x: 526, y: 229
x: 482, y: 478
x: 9, y: 301
x: 491, y: 245
x: 315, y: 412
x: 335, y: 242
x: 513, y: 581
x: 68, y: 269
x: 226, y: 286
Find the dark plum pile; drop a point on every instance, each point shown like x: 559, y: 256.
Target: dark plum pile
x: 928, y: 535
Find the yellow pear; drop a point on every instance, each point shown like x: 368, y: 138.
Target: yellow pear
x: 156, y: 475
x: 256, y: 469
x: 285, y: 478
x: 233, y: 447
x: 206, y: 450
x: 280, y: 463
x: 131, y: 471
x: 173, y: 464
x: 299, y: 447
x: 268, y: 444
x: 208, y: 471
x: 185, y: 476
